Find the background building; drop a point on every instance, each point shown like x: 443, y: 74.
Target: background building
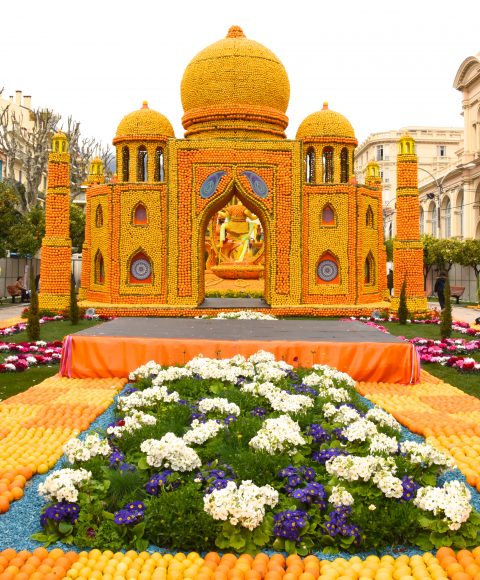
x: 436, y: 149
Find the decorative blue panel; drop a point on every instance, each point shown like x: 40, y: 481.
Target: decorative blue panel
x: 327, y: 270
x: 141, y: 269
x: 209, y: 186
x: 256, y: 183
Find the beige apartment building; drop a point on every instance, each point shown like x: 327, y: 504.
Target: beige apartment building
x: 437, y: 149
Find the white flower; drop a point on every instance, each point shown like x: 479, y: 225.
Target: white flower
x: 62, y: 485
x: 340, y: 496
x: 201, y: 432
x: 132, y: 422
x: 170, y: 451
x: 387, y: 483
x: 425, y: 453
x: 76, y: 450
x: 452, y: 500
x: 149, y: 369
x: 243, y: 315
x: 219, y: 404
x: 149, y: 397
x: 382, y: 418
x: 381, y: 443
x: 372, y: 507
x: 244, y: 505
x: 342, y: 415
x: 360, y: 430
x: 278, y: 435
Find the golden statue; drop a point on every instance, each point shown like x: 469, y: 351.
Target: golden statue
x: 239, y: 228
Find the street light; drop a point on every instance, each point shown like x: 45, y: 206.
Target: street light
x: 437, y: 196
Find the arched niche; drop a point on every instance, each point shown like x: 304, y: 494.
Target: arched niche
x: 328, y: 269
x: 142, y: 163
x: 159, y: 165
x: 125, y: 163
x: 140, y: 269
x: 328, y: 216
x: 99, y: 216
x: 369, y: 217
x: 140, y: 215
x: 310, y: 165
x: 344, y: 166
x: 369, y: 270
x: 327, y: 164
x: 99, y: 268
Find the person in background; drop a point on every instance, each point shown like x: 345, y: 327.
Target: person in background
x: 390, y: 281
x: 24, y: 292
x: 439, y: 288
x: 37, y: 283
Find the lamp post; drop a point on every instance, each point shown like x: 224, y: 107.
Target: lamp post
x: 439, y: 184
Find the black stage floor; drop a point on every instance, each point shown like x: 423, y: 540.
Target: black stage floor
x: 265, y: 330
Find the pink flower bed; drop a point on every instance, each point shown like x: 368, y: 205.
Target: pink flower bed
x: 29, y: 354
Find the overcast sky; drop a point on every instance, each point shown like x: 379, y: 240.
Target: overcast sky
x: 383, y: 65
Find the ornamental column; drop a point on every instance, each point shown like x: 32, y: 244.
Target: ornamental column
x: 373, y: 179
x: 407, y: 247
x: 96, y: 176
x: 56, y: 265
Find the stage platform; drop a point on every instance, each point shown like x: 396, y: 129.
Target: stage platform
x: 116, y: 348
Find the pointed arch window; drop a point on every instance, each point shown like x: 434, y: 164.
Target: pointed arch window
x: 369, y: 218
x: 327, y: 269
x: 422, y: 221
x: 344, y: 168
x: 99, y: 270
x: 369, y: 270
x: 159, y: 165
x: 310, y: 165
x: 142, y: 162
x: 448, y: 218
x: 328, y: 215
x: 140, y: 217
x: 140, y: 270
x: 327, y: 158
x: 125, y: 164
x: 99, y: 216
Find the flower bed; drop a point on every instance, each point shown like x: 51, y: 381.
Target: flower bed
x: 29, y: 354
x: 241, y: 315
x: 249, y: 455
x: 21, y: 326
x: 449, y: 352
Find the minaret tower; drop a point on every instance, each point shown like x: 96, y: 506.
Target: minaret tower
x: 373, y: 179
x: 408, y: 248
x: 56, y: 265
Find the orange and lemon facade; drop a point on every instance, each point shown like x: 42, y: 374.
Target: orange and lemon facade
x: 144, y: 251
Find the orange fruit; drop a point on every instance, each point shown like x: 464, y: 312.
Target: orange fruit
x: 41, y: 553
x: 9, y: 553
x: 442, y: 552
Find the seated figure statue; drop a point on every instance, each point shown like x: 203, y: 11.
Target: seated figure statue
x: 238, y: 228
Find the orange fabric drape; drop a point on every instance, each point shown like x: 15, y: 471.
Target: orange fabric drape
x: 110, y: 356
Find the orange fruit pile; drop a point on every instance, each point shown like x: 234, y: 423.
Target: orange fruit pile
x: 37, y: 565
x: 35, y: 424
x: 447, y: 417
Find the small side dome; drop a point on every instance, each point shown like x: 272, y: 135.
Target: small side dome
x: 326, y: 123
x: 144, y: 123
x: 60, y: 142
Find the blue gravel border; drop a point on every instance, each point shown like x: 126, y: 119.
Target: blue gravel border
x: 23, y: 518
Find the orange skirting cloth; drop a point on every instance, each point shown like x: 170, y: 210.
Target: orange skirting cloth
x: 113, y: 356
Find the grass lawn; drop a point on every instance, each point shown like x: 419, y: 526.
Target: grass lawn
x: 13, y: 383
x: 467, y: 382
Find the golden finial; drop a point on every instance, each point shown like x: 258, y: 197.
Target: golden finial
x: 235, y: 32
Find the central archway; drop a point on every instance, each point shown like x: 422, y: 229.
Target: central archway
x: 235, y: 192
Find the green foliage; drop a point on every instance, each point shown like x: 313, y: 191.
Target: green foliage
x: 9, y: 216
x: 177, y: 519
x: 27, y: 234
x: 402, y: 304
x: 74, y: 313
x: 77, y: 226
x: 234, y: 294
x: 33, y: 324
x: 446, y: 324
x: 389, y: 248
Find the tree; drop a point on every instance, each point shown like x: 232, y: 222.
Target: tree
x: 470, y: 256
x: 430, y: 255
x: 33, y: 324
x: 26, y: 141
x: 446, y: 319
x: 9, y: 216
x: 77, y: 226
x: 389, y: 249
x: 402, y: 303
x: 28, y: 232
x: 81, y: 153
x: 73, y: 310
x: 35, y: 155
x: 439, y: 253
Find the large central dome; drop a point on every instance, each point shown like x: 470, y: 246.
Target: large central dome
x: 235, y: 86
